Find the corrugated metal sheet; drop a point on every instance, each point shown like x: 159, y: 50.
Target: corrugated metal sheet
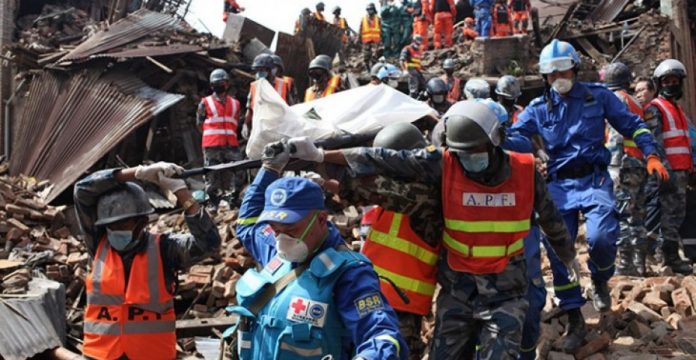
x: 552, y: 11
x: 608, y: 10
x: 30, y: 325
x: 70, y: 122
x: 152, y: 51
x: 133, y: 27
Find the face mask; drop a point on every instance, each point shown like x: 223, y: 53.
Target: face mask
x: 562, y: 85
x: 438, y: 99
x: 449, y: 72
x: 474, y: 162
x: 119, y: 239
x: 261, y: 74
x: 393, y: 83
x: 508, y: 103
x: 673, y: 91
x: 274, y: 72
x: 293, y: 249
x: 219, y: 89
x: 416, y: 46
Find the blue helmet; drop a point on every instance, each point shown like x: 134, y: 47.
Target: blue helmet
x: 388, y: 71
x: 500, y: 112
x: 558, y: 56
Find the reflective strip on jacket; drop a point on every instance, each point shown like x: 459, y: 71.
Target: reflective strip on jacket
x: 414, y: 58
x: 220, y: 125
x: 331, y: 86
x: 675, y: 134
x: 136, y: 320
x: 485, y: 226
x: 370, y: 30
x: 630, y: 147
x: 399, y: 254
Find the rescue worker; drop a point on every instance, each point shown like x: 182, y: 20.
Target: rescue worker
x: 482, y: 12
x: 405, y: 23
x: 645, y: 90
x: 422, y: 17
x: 477, y: 88
x: 342, y: 24
x: 389, y: 75
x: 520, y: 15
x: 410, y: 60
x: 570, y: 117
x: 469, y: 32
x: 288, y: 81
x: 264, y: 67
x: 444, y: 12
x: 482, y: 271
x: 130, y: 287
x: 669, y: 124
x: 437, y: 95
x: 508, y: 90
x: 328, y: 292
x: 374, y: 71
x: 630, y: 188
x: 218, y: 117
x: 389, y: 15
x: 324, y: 82
x: 319, y: 13
x: 370, y: 37
x: 301, y: 22
x: 502, y: 21
x: 231, y: 6
x: 454, y: 83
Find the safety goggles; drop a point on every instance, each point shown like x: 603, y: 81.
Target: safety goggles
x: 562, y: 64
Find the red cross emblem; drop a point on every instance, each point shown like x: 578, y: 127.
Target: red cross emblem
x: 298, y: 305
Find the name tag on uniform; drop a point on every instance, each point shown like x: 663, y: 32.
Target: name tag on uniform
x: 307, y: 311
x: 488, y: 200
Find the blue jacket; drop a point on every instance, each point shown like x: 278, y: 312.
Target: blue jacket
x: 486, y: 4
x: 373, y: 332
x: 573, y: 128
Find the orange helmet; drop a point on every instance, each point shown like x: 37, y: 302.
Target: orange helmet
x: 469, y: 20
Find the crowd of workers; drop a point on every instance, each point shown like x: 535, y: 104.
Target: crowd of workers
x: 464, y: 202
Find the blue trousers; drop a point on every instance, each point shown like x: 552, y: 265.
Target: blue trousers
x: 593, y: 196
x: 483, y: 21
x: 536, y: 295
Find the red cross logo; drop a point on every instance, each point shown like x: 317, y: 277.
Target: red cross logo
x: 298, y: 305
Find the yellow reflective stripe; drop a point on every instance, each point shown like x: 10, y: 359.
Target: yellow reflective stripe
x: 403, y: 246
x: 640, y: 131
x: 395, y: 225
x: 566, y: 286
x: 629, y: 143
x: 488, y: 226
x: 456, y: 245
x: 391, y: 339
x: 483, y: 251
x: 247, y: 221
x: 406, y: 282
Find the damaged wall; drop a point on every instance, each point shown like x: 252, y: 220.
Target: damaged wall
x: 7, y: 11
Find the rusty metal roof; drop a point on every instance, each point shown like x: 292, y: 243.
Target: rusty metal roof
x: 69, y: 122
x: 151, y: 51
x: 34, y: 323
x: 608, y: 10
x: 133, y: 27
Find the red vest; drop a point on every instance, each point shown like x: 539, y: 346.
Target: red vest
x: 414, y: 61
x: 455, y: 92
x: 220, y: 125
x: 390, y: 238
x: 630, y: 147
x: 334, y: 82
x: 675, y: 133
x: 137, y: 320
x: 485, y: 226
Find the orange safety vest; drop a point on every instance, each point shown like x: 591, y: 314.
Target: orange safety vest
x: 485, y: 226
x: 370, y: 30
x: 279, y: 86
x: 516, y: 113
x: 414, y: 61
x: 288, y: 81
x: 391, y: 238
x: 319, y: 16
x: 675, y: 133
x: 220, y: 125
x: 455, y: 92
x: 311, y: 94
x: 630, y: 147
x: 341, y: 24
x: 136, y: 320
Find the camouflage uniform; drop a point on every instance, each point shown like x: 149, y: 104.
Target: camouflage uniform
x: 490, y: 308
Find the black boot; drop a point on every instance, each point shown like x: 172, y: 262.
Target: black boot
x: 638, y: 256
x: 575, y: 332
x: 600, y: 296
x: 670, y: 252
x: 626, y: 264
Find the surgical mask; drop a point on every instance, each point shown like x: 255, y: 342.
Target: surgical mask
x: 274, y: 72
x: 672, y: 91
x: 293, y: 249
x: 393, y: 83
x: 219, y: 89
x: 562, y: 85
x: 474, y: 162
x: 261, y: 74
x: 438, y: 99
x: 119, y: 239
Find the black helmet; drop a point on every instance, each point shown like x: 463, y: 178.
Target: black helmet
x: 278, y: 61
x: 436, y: 86
x: 371, y: 7
x: 399, y: 136
x: 337, y: 10
x: 124, y: 203
x: 320, y: 6
x: 305, y: 11
x: 321, y: 62
x: 448, y: 64
x: 469, y: 124
x: 617, y: 75
x: 263, y: 61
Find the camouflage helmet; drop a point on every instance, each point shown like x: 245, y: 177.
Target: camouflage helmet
x: 127, y: 202
x: 399, y: 136
x: 508, y: 87
x: 469, y: 124
x: 219, y: 75
x: 617, y: 75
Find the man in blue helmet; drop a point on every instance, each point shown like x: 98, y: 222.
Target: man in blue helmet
x: 482, y: 12
x: 312, y: 290
x: 570, y: 117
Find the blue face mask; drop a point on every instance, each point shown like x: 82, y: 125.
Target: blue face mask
x: 119, y: 239
x: 474, y: 162
x: 261, y: 74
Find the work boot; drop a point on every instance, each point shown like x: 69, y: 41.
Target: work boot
x: 670, y: 253
x: 639, y: 256
x: 600, y: 296
x: 575, y: 331
x: 626, y: 264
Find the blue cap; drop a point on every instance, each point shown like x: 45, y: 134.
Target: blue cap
x: 289, y: 199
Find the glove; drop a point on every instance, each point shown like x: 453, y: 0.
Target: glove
x: 171, y: 184
x: 542, y: 155
x: 303, y: 148
x: 151, y: 172
x: 573, y: 270
x: 245, y: 131
x: 655, y: 167
x: 276, y: 155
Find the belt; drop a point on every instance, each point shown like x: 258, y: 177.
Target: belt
x: 576, y: 172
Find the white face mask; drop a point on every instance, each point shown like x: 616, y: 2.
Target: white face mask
x: 393, y: 83
x: 562, y: 85
x: 474, y: 162
x: 293, y: 249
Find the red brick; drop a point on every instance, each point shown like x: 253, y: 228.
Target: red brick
x: 598, y: 344
x: 682, y: 302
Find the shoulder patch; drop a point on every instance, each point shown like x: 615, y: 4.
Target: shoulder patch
x: 368, y: 303
x: 273, y: 265
x: 305, y: 310
x: 430, y: 148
